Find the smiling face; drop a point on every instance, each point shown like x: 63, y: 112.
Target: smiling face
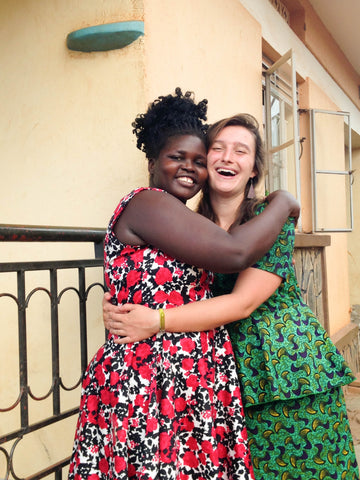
x: 231, y: 161
x: 180, y: 168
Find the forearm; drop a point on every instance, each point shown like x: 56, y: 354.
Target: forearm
x: 258, y: 235
x: 206, y: 314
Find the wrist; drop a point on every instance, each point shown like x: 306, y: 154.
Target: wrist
x: 161, y: 320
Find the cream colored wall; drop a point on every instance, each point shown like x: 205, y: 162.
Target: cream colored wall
x: 66, y: 118
x: 354, y: 236
x: 210, y: 47
x: 206, y: 48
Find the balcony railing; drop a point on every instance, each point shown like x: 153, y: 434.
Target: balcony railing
x: 13, y: 465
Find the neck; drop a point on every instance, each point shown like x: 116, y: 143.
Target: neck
x: 225, y: 208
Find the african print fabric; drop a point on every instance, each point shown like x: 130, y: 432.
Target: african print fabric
x: 167, y: 408
x: 291, y: 376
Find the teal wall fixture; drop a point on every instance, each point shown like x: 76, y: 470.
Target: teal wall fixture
x: 101, y: 38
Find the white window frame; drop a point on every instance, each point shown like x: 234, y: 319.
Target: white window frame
x: 273, y: 90
x: 315, y: 172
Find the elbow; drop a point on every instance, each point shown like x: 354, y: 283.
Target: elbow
x: 237, y: 264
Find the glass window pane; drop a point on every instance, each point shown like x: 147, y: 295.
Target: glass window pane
x: 283, y: 167
x: 333, y: 193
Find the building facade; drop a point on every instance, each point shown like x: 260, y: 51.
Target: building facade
x: 68, y: 153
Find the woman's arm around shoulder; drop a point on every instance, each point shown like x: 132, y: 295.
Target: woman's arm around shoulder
x: 161, y: 220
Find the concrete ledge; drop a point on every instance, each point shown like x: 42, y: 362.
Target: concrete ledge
x: 347, y: 342
x: 310, y: 240
x: 345, y: 336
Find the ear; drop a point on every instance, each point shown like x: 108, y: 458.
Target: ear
x: 254, y: 173
x: 151, y: 166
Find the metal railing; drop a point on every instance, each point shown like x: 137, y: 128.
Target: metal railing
x: 9, y: 441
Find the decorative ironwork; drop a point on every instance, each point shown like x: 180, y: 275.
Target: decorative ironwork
x: 10, y: 441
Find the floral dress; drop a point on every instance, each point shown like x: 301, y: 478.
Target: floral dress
x: 291, y: 376
x: 166, y: 408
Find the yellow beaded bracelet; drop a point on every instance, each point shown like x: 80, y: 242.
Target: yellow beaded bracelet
x: 162, y: 320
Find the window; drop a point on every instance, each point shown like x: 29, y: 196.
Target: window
x: 331, y: 171
x: 330, y: 143
x: 281, y: 126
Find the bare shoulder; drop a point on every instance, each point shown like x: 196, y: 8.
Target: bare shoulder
x: 143, y: 212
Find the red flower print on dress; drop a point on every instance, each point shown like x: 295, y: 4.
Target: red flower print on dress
x: 151, y: 425
x: 137, y: 258
x: 133, y: 278
x: 137, y: 297
x: 92, y: 403
x: 225, y: 397
x: 173, y: 349
x: 175, y: 298
x: 108, y: 397
x: 192, y: 382
x: 119, y: 263
x: 114, y: 378
x: 205, y: 340
x: 192, y: 444
x: 186, y: 424
x: 131, y: 471
x: 101, y: 421
x: 99, y: 375
x: 160, y: 259
x: 122, y: 295
x: 146, y: 372
x: 180, y: 404
x: 187, y: 344
x: 167, y: 408
x: 104, y: 465
x: 143, y: 350
x: 187, y: 363
x: 221, y: 451
x: 163, y: 275
x: 121, y: 435
x: 240, y: 450
x: 190, y: 460
x: 120, y: 464
x: 160, y: 297
x: 192, y: 294
x: 203, y: 366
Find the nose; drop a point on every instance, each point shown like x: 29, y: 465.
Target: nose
x: 227, y: 155
x: 188, y: 164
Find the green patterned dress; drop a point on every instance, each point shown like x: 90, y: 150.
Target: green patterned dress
x: 291, y: 376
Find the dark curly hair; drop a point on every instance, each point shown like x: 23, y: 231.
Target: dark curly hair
x: 166, y: 117
x: 248, y: 206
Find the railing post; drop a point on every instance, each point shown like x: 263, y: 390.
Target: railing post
x: 83, y: 328
x: 23, y: 373
x: 55, y: 341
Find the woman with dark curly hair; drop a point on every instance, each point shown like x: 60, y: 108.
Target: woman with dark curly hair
x: 291, y: 374
x: 169, y: 407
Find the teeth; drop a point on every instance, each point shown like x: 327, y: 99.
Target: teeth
x: 224, y: 171
x: 188, y: 180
